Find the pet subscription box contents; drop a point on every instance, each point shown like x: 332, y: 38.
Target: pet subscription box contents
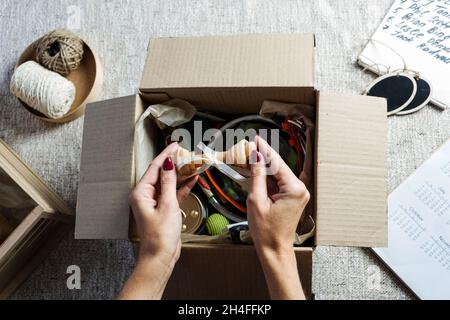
x: 337, y: 145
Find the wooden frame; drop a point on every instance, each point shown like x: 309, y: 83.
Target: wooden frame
x: 38, y: 233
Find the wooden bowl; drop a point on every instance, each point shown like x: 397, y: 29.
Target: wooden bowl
x: 87, y: 78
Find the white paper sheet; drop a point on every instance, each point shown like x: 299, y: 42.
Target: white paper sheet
x: 419, y: 31
x: 419, y: 229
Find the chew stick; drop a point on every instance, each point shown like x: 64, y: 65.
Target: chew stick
x: 189, y: 162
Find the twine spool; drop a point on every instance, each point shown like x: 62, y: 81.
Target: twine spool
x: 45, y: 91
x: 61, y: 51
x: 216, y: 223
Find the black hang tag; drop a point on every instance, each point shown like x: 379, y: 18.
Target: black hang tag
x: 421, y: 99
x: 398, y: 89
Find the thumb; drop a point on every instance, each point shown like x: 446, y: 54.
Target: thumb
x: 258, y: 179
x: 168, y: 184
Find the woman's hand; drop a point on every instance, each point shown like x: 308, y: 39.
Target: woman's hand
x: 156, y: 207
x: 275, y: 204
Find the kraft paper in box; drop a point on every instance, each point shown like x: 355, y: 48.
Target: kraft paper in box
x: 172, y: 114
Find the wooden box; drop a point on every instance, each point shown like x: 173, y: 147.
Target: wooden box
x: 33, y: 220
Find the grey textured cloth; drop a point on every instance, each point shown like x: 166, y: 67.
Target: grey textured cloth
x: 119, y: 31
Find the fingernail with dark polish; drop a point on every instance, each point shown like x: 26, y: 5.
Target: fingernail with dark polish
x: 168, y: 164
x: 255, y: 156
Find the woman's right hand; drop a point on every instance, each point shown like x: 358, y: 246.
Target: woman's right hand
x: 274, y: 214
x: 274, y: 207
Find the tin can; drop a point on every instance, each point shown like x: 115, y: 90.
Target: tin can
x: 194, y: 214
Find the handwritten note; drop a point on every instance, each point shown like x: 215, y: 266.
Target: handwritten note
x: 419, y: 229
x: 418, y: 32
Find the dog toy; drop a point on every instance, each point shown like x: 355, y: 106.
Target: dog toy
x: 216, y: 223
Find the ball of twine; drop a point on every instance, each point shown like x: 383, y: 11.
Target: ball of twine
x: 43, y: 90
x: 61, y: 51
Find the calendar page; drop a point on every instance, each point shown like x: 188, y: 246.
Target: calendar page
x: 419, y: 229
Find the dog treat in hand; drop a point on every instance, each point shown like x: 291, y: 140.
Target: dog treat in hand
x: 189, y: 163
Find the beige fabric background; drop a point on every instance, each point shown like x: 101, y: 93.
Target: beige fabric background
x: 120, y: 30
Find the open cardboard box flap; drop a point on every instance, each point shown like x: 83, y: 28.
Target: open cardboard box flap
x: 280, y: 60
x: 237, y: 74
x: 351, y: 171
x: 233, y: 73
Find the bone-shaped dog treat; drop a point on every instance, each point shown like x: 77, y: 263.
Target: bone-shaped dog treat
x: 188, y: 162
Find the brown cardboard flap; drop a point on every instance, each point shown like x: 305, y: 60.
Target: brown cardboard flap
x: 277, y: 60
x: 351, y: 171
x: 227, y: 272
x: 106, y: 173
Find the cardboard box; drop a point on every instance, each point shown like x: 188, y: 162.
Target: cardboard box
x: 37, y: 217
x: 236, y: 74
